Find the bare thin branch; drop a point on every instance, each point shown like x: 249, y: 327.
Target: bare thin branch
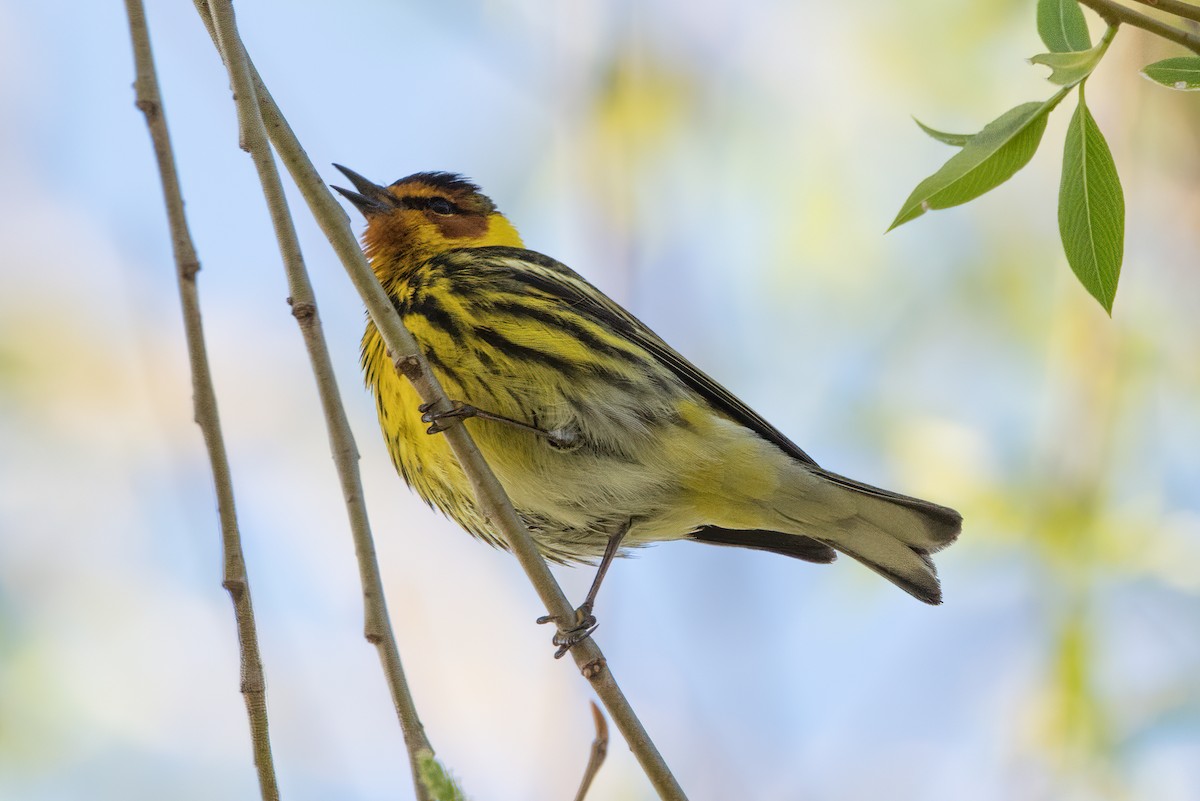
x: 1114, y: 13
x: 253, y: 685
x: 377, y: 624
x: 490, y: 496
x: 598, y: 752
x: 1176, y: 7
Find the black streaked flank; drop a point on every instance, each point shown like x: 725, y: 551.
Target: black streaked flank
x: 485, y: 358
x: 430, y: 307
x: 503, y: 344
x: 517, y: 351
x: 448, y: 374
x: 474, y: 261
x: 600, y: 308
x: 520, y: 310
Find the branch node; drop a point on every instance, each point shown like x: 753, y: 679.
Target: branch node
x: 594, y: 668
x: 304, y: 311
x: 408, y: 366
x: 148, y: 107
x: 188, y: 270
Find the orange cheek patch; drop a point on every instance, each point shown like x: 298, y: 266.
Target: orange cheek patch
x: 460, y: 226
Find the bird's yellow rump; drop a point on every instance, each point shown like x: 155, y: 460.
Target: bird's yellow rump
x: 602, y: 435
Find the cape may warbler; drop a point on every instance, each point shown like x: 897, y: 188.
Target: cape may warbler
x: 602, y: 435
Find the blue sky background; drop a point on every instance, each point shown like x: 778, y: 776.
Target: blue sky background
x: 727, y: 171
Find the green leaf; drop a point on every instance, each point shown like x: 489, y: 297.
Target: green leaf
x: 1068, y: 69
x: 1091, y: 208
x: 988, y: 159
x: 1182, y: 72
x: 956, y: 140
x: 1062, y: 27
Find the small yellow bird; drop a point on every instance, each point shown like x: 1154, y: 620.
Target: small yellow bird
x: 602, y: 435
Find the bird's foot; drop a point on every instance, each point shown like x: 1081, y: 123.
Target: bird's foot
x: 566, y: 639
x: 562, y: 439
x: 440, y: 421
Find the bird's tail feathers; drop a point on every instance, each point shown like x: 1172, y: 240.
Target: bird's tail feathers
x: 908, y: 567
x: 892, y: 534
x: 925, y: 526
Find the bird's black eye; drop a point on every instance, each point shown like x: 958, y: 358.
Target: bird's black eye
x: 439, y: 205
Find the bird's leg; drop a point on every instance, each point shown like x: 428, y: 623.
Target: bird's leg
x: 563, y: 439
x: 585, y: 621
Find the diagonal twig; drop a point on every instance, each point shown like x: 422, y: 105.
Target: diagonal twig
x: 253, y: 685
x: 377, y: 624
x: 1114, y: 13
x: 597, y: 754
x: 490, y: 496
x: 1176, y: 7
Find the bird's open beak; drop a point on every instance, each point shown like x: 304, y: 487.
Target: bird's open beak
x: 370, y: 198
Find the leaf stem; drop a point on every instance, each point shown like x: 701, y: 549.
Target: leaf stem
x: 1114, y: 13
x: 1109, y: 34
x: 253, y: 685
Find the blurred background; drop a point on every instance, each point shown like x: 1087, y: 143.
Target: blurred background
x: 726, y: 170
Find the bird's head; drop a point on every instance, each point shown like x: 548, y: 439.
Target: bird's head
x: 422, y: 215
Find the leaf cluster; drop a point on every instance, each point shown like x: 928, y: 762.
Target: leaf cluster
x: 1091, y: 203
